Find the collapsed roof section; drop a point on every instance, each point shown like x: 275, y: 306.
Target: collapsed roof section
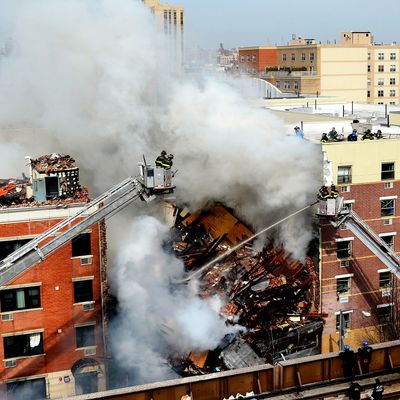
x: 53, y: 179
x: 268, y: 293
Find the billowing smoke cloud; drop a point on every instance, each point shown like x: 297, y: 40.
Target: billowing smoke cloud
x: 90, y: 78
x: 157, y: 315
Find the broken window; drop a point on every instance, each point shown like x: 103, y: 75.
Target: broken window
x: 343, y: 249
x: 23, y: 345
x: 20, y: 299
x: 387, y: 171
x: 389, y: 240
x: 384, y: 312
x: 30, y: 389
x: 83, y: 291
x: 345, y: 321
x: 9, y: 246
x: 342, y: 285
x: 344, y: 174
x: 85, y: 336
x: 385, y: 280
x: 387, y: 207
x: 81, y: 245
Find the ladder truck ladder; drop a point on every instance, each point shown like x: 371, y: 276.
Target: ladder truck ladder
x: 103, y: 206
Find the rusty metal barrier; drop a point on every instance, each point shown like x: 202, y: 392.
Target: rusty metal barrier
x: 322, y: 368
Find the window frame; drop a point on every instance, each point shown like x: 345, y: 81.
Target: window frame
x: 385, y: 279
x: 388, y: 207
x: 81, y: 245
x: 346, y: 320
x: 11, y: 350
x: 344, y: 178
x: 344, y: 252
x: 389, y: 173
x: 84, y: 296
x: 82, y: 338
x: 381, y: 68
x: 30, y: 302
x: 346, y: 282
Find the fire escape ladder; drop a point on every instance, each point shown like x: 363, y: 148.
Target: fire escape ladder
x: 373, y: 242
x: 103, y: 206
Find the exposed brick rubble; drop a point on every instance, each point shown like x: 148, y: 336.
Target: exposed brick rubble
x: 53, y: 162
x: 267, y: 292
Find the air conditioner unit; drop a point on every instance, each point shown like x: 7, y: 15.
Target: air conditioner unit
x: 388, y: 185
x: 86, y: 261
x: 88, y: 307
x: 388, y: 221
x: 343, y: 299
x: 90, y: 352
x: 345, y: 263
x: 7, y: 317
x: 10, y: 363
x: 386, y: 293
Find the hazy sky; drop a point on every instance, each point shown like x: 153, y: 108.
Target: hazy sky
x: 261, y: 22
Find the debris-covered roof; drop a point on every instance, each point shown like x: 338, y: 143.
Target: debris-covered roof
x: 53, y: 163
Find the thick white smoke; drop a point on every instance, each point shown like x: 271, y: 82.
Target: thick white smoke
x: 90, y: 78
x: 157, y: 315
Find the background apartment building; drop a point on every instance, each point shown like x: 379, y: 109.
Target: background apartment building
x: 170, y: 20
x: 52, y: 314
x: 353, y: 281
x: 355, y: 69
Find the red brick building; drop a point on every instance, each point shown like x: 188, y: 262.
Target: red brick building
x: 52, y: 342
x: 354, y: 283
x: 254, y: 60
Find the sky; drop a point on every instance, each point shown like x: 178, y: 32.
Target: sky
x: 238, y: 23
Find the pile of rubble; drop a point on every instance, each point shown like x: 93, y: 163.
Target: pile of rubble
x: 53, y: 162
x: 268, y: 293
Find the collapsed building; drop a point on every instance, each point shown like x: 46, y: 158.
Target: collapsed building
x: 51, y: 313
x: 273, y: 297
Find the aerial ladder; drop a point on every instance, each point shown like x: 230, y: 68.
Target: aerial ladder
x: 152, y: 182
x: 337, y: 213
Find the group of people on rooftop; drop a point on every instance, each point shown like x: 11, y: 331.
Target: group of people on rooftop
x: 333, y: 136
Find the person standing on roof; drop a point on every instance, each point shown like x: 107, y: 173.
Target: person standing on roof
x: 377, y: 392
x: 333, y: 135
x: 348, y: 361
x: 365, y: 356
x: 298, y: 132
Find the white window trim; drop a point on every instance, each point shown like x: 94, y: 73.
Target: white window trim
x: 22, y: 333
x: 26, y: 378
x: 387, y: 234
x: 84, y: 324
x: 21, y: 286
x: 344, y: 239
x: 383, y: 270
x: 83, y: 278
x: 344, y: 276
x: 384, y: 305
x: 349, y: 201
x: 11, y: 238
x: 388, y: 198
x: 344, y: 312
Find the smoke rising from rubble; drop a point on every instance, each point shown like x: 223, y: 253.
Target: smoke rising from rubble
x: 156, y: 315
x: 90, y: 79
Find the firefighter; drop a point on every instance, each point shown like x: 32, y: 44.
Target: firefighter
x: 378, y: 134
x: 169, y: 161
x: 368, y: 135
x: 353, y: 136
x: 187, y: 395
x: 365, y: 356
x: 355, y: 390
x: 348, y: 361
x: 377, y: 392
x: 324, y: 138
x: 323, y: 193
x: 161, y: 160
x: 334, y: 192
x: 333, y: 135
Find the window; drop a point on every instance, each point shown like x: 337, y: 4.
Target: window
x: 254, y: 58
x: 248, y: 58
x: 29, y: 389
x: 368, y: 93
x: 368, y: 82
x: 380, y: 93
x: 342, y: 286
x: 242, y: 59
x: 312, y: 56
x: 389, y: 240
x: 344, y: 174
x: 286, y: 85
x: 295, y: 85
x: 23, y: 345
x: 387, y: 208
x: 9, y: 246
x: 381, y: 81
x: 85, y: 336
x: 381, y: 56
x: 392, y: 81
x: 83, y: 291
x: 384, y: 312
x: 345, y: 320
x: 283, y: 57
x: 278, y: 84
x: 393, y: 68
x: 387, y: 171
x: 369, y: 56
x: 293, y: 57
x: 392, y: 103
x: 381, y: 68
x: 392, y: 93
x: 20, y: 299
x: 81, y: 245
x: 392, y: 56
x: 369, y: 68
x: 303, y: 56
x: 385, y: 280
x: 343, y: 249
